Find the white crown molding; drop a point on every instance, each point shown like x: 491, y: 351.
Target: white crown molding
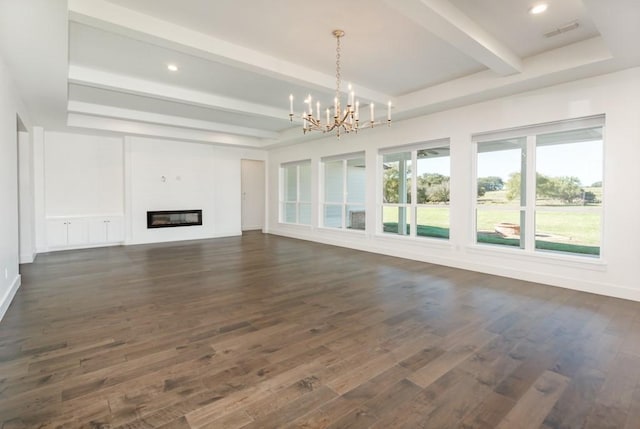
x: 134, y: 128
x: 131, y: 85
x: 156, y: 118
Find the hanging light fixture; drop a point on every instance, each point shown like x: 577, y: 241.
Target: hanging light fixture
x: 343, y: 120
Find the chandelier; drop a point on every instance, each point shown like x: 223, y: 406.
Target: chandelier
x: 343, y: 120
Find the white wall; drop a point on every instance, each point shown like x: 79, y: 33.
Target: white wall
x: 10, y: 106
x: 196, y: 176
x: 616, y: 95
x: 83, y: 175
x: 26, y: 187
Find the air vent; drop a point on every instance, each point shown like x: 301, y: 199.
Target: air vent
x: 563, y: 29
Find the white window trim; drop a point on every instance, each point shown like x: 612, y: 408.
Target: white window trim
x: 297, y: 202
x: 345, y: 192
x: 413, y: 206
x: 530, y: 132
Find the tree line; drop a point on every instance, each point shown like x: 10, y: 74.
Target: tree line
x: 567, y: 189
x: 431, y: 188
x: 434, y: 188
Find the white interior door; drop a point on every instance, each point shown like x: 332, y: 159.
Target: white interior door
x: 253, y: 190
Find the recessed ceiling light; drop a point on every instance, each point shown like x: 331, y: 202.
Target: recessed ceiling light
x: 172, y: 67
x: 539, y: 8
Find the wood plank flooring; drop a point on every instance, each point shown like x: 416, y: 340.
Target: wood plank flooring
x: 263, y: 332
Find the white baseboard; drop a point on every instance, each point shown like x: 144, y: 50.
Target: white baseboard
x: 87, y: 246
x: 252, y: 228
x: 223, y: 234
x: 8, y: 296
x: 27, y: 258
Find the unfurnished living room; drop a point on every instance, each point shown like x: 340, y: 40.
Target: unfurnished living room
x: 340, y: 214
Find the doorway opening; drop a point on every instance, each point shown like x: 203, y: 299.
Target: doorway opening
x: 253, y: 192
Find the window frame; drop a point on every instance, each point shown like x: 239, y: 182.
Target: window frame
x: 529, y: 207
x: 298, y: 201
x: 411, y: 207
x: 344, y: 159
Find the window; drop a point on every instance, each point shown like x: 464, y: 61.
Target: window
x: 415, y: 190
x: 295, y: 201
x: 501, y: 208
x: 541, y: 190
x: 344, y: 192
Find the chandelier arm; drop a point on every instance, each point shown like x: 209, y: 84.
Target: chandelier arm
x: 345, y: 117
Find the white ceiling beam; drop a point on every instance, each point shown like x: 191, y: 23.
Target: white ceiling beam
x: 163, y: 131
x: 117, y: 19
x: 547, y: 68
x: 450, y: 24
x: 617, y: 21
x: 156, y: 118
x: 131, y: 85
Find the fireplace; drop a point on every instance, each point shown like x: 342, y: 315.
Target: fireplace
x: 171, y: 218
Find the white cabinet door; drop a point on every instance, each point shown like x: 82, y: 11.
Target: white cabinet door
x: 108, y: 229
x: 115, y: 229
x: 97, y: 231
x: 77, y: 232
x: 56, y: 233
x: 81, y: 232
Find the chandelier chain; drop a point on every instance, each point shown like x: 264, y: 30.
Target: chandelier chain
x: 338, y: 69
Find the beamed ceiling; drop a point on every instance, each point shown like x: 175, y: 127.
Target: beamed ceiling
x: 101, y: 65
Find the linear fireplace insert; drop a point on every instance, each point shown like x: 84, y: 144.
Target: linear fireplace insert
x: 171, y: 218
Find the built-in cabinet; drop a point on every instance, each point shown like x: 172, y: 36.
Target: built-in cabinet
x: 106, y: 230
x: 67, y: 232
x: 74, y: 232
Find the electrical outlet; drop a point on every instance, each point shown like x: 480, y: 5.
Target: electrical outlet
x: 6, y: 273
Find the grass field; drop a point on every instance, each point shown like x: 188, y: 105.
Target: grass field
x: 431, y: 222
x: 572, y: 232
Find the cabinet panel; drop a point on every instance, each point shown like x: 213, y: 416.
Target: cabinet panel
x: 115, y: 230
x: 82, y: 231
x: 77, y: 232
x: 97, y: 231
x: 56, y: 233
x: 106, y: 230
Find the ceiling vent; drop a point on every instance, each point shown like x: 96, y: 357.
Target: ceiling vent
x: 563, y: 29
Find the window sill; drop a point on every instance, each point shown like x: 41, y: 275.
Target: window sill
x: 342, y: 230
x: 295, y: 225
x: 580, y: 262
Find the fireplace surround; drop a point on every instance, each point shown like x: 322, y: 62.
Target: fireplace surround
x: 173, y: 218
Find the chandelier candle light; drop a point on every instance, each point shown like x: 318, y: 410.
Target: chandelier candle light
x: 343, y: 120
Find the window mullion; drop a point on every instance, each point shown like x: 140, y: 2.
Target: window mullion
x: 530, y: 199
x: 413, y: 216
x: 322, y: 196
x: 297, y: 194
x: 344, y: 194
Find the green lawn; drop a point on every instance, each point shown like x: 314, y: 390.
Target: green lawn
x: 431, y: 222
x: 570, y: 232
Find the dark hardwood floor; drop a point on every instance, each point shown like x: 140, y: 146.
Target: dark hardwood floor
x: 269, y: 332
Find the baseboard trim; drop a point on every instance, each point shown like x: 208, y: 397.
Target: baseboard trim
x: 27, y: 258
x: 252, y: 228
x: 88, y: 246
x: 174, y: 240
x: 8, y: 296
